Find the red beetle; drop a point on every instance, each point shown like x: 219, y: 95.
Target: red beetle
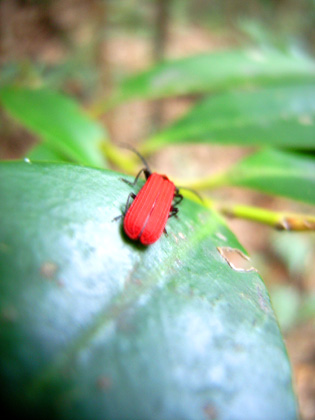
x: 145, y: 218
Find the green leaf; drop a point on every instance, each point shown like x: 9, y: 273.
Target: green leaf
x: 281, y: 116
x: 58, y: 121
x: 275, y: 172
x: 295, y: 251
x: 218, y: 71
x: 96, y: 326
x: 307, y: 309
x: 292, y: 307
x: 43, y: 152
x: 286, y: 302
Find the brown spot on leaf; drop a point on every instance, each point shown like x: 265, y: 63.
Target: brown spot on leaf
x: 236, y: 258
x: 103, y: 383
x: 9, y: 314
x: 48, y: 269
x: 210, y: 412
x: 4, y: 248
x: 305, y: 120
x: 261, y: 300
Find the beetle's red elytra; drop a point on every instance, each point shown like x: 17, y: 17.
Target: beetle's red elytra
x: 146, y: 217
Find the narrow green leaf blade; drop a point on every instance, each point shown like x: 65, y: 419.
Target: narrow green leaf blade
x: 280, y: 116
x: 217, y: 71
x: 276, y: 172
x: 95, y: 326
x: 43, y: 152
x: 57, y: 120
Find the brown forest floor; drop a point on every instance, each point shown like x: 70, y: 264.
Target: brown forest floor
x: 29, y: 32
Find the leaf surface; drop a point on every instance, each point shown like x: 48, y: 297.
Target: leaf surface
x: 96, y: 326
x: 43, y: 152
x: 217, y: 71
x: 281, y: 116
x: 276, y: 172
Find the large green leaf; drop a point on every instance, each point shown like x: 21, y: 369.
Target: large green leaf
x: 43, y: 152
x: 217, y: 71
x: 275, y: 172
x: 94, y: 326
x: 58, y: 120
x: 279, y: 116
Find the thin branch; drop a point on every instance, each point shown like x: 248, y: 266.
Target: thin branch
x: 219, y: 179
x: 115, y: 155
x: 278, y: 220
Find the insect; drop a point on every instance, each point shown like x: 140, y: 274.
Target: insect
x: 146, y: 217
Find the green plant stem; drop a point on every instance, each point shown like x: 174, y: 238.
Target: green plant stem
x: 277, y: 220
x: 101, y: 106
x: 207, y: 183
x: 115, y: 155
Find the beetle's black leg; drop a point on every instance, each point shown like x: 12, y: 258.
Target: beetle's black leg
x: 146, y: 172
x: 177, y: 199
x: 165, y: 231
x: 130, y: 196
x: 173, y: 212
x: 117, y: 218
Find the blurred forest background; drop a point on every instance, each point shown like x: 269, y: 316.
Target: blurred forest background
x: 85, y: 48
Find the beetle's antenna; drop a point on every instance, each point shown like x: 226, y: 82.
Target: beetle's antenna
x: 193, y: 191
x: 127, y: 146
